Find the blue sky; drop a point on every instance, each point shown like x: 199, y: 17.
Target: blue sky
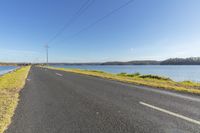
x: 145, y: 29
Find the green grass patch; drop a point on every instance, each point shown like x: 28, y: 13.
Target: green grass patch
x: 190, y: 83
x: 146, y: 80
x: 10, y: 85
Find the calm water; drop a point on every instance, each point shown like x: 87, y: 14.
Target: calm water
x: 6, y: 69
x: 176, y: 72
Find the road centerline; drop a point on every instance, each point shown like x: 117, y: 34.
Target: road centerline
x: 59, y: 74
x: 170, y: 113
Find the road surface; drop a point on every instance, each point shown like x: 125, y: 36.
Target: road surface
x: 62, y: 102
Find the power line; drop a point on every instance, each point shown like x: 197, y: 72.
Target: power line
x: 85, y: 6
x: 104, y: 17
x: 81, y: 10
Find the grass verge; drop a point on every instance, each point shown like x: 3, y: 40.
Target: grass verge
x: 10, y: 85
x: 146, y: 80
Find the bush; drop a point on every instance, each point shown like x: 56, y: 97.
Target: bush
x: 133, y: 75
x: 129, y: 75
x: 154, y: 77
x: 96, y: 71
x: 122, y: 74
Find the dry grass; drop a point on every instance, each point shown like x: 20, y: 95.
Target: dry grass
x: 147, y: 80
x: 10, y: 85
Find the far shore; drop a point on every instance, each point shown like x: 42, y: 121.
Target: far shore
x: 171, y: 61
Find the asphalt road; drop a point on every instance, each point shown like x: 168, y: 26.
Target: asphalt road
x: 61, y: 102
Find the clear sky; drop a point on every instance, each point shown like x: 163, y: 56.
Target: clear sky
x: 145, y: 29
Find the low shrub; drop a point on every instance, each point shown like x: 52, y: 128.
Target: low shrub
x: 97, y: 71
x: 122, y: 74
x: 129, y: 75
x: 154, y: 77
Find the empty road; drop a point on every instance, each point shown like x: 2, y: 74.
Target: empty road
x: 62, y: 102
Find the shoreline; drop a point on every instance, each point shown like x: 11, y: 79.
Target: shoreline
x: 145, y: 80
x: 178, y: 73
x: 8, y: 71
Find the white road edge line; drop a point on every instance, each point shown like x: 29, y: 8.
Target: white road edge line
x: 171, y: 113
x: 59, y: 74
x: 159, y: 91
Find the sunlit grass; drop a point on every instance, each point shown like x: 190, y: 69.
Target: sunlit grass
x: 147, y: 80
x: 10, y: 85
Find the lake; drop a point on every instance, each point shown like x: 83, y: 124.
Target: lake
x: 175, y: 72
x: 6, y: 69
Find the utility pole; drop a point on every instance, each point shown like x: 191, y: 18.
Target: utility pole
x: 47, y: 54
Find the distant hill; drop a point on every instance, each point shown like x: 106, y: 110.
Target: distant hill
x: 8, y: 64
x: 13, y: 64
x: 182, y: 61
x: 171, y: 61
x: 139, y: 62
